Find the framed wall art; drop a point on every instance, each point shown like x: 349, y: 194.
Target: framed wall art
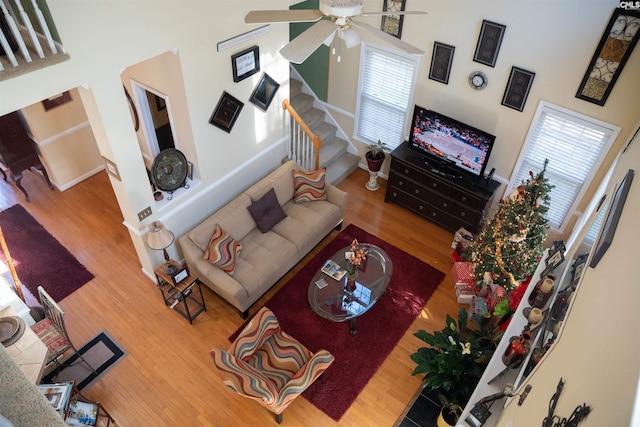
x: 611, y: 222
x: 392, y: 24
x: 441, y: 61
x: 264, y: 92
x: 617, y: 43
x: 245, y: 63
x: 489, y: 42
x: 518, y: 87
x: 56, y: 101
x: 226, y: 112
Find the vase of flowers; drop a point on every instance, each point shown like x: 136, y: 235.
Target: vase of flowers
x: 355, y: 257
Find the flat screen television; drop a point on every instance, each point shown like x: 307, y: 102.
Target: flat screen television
x: 449, y: 146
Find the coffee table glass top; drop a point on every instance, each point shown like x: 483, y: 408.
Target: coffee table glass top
x: 335, y: 303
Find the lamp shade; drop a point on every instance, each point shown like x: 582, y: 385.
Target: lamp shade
x: 159, y: 237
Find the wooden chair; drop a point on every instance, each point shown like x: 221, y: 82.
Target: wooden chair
x: 53, y: 332
x: 269, y: 366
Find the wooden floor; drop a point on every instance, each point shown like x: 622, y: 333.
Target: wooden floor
x: 167, y: 379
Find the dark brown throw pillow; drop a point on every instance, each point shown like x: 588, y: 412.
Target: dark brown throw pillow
x: 266, y: 211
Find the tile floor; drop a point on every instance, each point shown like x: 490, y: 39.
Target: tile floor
x: 424, y: 411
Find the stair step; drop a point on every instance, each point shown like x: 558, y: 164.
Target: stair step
x: 295, y: 87
x: 341, y: 168
x: 313, y: 117
x: 327, y: 131
x: 302, y: 102
x: 331, y: 150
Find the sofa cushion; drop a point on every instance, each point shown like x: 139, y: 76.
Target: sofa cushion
x: 307, y: 223
x: 233, y: 217
x: 223, y: 250
x: 309, y: 186
x: 266, y: 211
x: 280, y: 180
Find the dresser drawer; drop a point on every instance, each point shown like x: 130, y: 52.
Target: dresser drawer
x: 469, y: 215
x: 401, y: 182
x: 434, y: 199
x: 435, y: 184
x: 406, y: 170
x: 466, y: 199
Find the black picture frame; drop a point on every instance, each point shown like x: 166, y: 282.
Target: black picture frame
x: 577, y: 268
x: 489, y: 41
x: 518, y: 87
x: 392, y: 24
x: 180, y: 275
x: 556, y: 255
x: 161, y: 103
x: 264, y: 92
x: 611, y: 221
x: 226, y: 112
x: 441, y: 61
x: 245, y: 63
x: 615, y: 47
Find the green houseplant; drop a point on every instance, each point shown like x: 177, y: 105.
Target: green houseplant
x: 376, y: 155
x: 454, y: 361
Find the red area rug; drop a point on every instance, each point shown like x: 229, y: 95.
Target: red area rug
x: 39, y: 259
x: 357, y: 358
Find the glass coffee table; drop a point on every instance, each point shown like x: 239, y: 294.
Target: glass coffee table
x: 329, y: 298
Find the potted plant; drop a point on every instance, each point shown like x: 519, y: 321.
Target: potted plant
x: 454, y: 362
x: 375, y: 157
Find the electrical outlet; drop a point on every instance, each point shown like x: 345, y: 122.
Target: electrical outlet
x: 144, y: 213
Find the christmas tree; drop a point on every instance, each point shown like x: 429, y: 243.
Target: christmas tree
x: 508, y: 248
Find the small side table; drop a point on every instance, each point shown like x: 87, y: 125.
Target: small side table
x: 185, y: 297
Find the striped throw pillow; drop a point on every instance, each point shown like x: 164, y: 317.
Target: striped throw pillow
x: 309, y: 186
x: 223, y: 250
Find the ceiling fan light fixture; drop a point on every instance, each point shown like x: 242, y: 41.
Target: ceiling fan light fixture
x: 350, y: 37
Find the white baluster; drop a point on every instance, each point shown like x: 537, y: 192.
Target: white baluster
x: 16, y: 33
x: 44, y: 26
x: 7, y: 49
x: 32, y: 32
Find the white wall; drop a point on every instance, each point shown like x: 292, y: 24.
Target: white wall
x: 106, y: 37
x: 554, y: 39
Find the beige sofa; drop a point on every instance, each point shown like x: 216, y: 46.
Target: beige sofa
x: 265, y: 257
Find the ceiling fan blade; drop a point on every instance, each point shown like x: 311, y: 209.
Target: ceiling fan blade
x: 306, y: 43
x: 390, y: 12
x: 396, y: 42
x: 296, y: 15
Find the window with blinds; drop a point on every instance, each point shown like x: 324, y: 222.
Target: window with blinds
x: 574, y: 145
x: 385, y: 88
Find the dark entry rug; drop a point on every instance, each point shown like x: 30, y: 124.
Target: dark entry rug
x: 39, y: 259
x: 357, y: 357
x: 102, y: 353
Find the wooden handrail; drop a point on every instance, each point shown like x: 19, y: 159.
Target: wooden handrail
x: 7, y: 256
x: 317, y: 141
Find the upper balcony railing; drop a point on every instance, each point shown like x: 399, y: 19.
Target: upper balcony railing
x: 28, y: 38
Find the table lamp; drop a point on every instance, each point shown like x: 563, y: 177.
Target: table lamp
x: 161, y: 238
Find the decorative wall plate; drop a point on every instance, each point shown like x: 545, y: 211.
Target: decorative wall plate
x: 169, y: 170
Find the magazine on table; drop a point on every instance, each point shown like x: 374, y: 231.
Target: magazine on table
x: 333, y: 269
x: 57, y: 394
x: 82, y: 414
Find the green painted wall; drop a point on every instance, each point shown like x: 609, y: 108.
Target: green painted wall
x: 315, y: 70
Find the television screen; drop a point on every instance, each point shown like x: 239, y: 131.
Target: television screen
x: 449, y: 145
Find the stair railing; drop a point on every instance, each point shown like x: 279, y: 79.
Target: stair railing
x: 304, y: 146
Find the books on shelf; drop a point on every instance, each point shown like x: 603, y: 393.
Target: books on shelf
x: 333, y: 269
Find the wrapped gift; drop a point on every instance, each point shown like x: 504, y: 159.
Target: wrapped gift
x: 465, y: 295
x: 463, y: 286
x: 461, y: 238
x: 478, y: 306
x: 495, y: 295
x: 463, y: 272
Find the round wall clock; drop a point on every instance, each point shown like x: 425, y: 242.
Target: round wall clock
x: 478, y: 80
x: 169, y: 170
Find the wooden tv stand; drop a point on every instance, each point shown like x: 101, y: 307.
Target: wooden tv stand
x: 448, y: 200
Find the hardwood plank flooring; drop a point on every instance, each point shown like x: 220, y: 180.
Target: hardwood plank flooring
x: 168, y: 379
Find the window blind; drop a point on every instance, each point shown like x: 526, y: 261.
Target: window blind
x: 385, y: 89
x: 573, y: 144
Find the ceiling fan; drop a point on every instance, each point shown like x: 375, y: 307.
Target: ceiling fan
x: 339, y: 16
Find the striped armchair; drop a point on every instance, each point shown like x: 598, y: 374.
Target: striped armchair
x: 269, y: 366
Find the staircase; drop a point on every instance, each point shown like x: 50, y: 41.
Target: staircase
x: 334, y: 154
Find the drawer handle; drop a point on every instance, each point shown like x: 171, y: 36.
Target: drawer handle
x: 406, y: 171
x: 417, y: 191
x: 421, y: 207
x: 400, y: 182
x: 462, y: 214
x: 464, y: 199
x: 444, y: 205
x: 434, y: 185
x: 433, y: 214
x: 395, y: 194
